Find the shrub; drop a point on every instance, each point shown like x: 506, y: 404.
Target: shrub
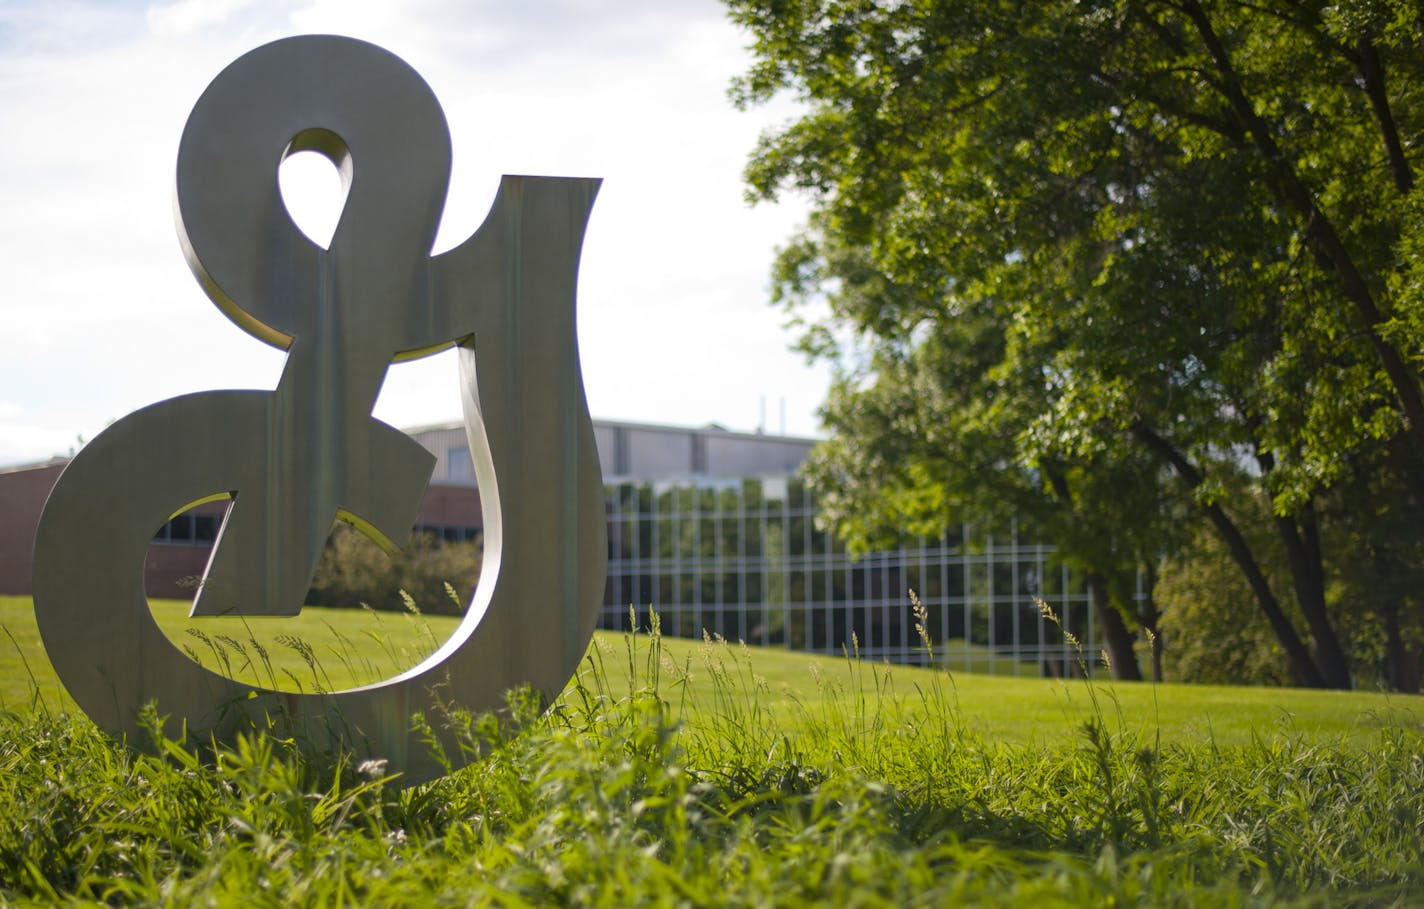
x: 354, y: 570
x: 1212, y: 629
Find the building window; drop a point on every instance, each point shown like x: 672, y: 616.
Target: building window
x: 745, y: 560
x: 442, y: 533
x: 190, y: 530
x: 460, y: 469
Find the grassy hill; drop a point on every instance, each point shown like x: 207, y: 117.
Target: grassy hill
x: 355, y: 647
x: 681, y: 773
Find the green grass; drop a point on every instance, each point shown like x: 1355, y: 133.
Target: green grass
x: 355, y: 647
x: 1028, y: 711
x: 351, y: 647
x: 684, y: 774
x: 696, y: 774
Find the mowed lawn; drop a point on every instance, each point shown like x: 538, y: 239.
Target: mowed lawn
x: 353, y: 647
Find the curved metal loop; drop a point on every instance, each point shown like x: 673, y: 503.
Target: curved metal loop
x: 381, y: 123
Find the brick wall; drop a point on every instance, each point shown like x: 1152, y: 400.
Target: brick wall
x: 22, y: 496
x: 171, y: 568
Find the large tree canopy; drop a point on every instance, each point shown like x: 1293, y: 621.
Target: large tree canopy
x: 1104, y: 262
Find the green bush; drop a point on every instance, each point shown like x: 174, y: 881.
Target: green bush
x: 355, y: 571
x: 1212, y: 629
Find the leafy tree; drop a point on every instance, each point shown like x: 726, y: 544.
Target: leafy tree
x: 1185, y: 231
x: 931, y: 430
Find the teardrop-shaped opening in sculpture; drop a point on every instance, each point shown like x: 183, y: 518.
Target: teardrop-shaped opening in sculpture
x: 314, y: 177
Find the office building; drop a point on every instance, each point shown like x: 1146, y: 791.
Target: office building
x: 715, y: 531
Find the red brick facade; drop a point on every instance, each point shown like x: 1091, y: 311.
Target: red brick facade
x: 171, y: 568
x: 23, y: 491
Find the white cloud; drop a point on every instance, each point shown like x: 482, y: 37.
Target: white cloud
x: 22, y: 441
x: 185, y: 17
x: 101, y: 315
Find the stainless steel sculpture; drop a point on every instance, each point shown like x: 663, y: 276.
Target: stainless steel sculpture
x: 298, y: 457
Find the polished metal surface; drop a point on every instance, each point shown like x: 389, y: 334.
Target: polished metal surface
x: 296, y: 458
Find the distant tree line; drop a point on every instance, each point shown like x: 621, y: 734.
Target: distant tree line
x: 1149, y: 276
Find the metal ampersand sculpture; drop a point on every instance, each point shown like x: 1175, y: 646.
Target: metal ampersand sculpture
x: 294, y: 459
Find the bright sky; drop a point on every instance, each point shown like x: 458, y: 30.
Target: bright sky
x: 101, y: 315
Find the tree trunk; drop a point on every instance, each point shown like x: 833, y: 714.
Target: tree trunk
x: 1401, y: 663
x: 1405, y: 461
x: 1303, y: 667
x: 1301, y: 538
x: 1117, y: 640
x: 1308, y: 576
x: 1371, y: 70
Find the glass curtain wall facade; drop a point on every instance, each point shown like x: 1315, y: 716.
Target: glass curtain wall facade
x: 743, y: 559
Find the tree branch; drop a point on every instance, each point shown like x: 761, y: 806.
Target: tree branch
x: 1372, y: 74
x: 1319, y: 230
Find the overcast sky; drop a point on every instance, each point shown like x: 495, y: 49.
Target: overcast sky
x: 101, y: 315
